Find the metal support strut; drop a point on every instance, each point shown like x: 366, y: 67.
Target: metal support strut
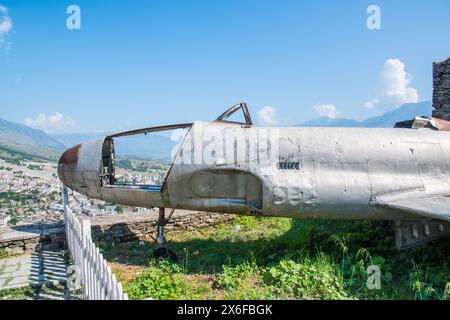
x: 163, y: 251
x: 160, y: 238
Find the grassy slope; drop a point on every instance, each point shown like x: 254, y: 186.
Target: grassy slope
x: 269, y: 258
x: 29, y: 152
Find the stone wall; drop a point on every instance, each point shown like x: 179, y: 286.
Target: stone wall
x: 130, y: 227
x: 441, y: 89
x: 115, y: 228
x: 32, y: 238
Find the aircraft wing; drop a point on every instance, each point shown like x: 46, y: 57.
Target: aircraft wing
x: 435, y: 207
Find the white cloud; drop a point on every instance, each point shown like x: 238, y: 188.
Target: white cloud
x: 51, y: 123
x: 372, y: 104
x: 267, y: 116
x: 326, y: 110
x: 395, y: 87
x: 5, y: 25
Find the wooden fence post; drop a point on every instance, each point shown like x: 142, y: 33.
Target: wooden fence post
x: 95, y: 275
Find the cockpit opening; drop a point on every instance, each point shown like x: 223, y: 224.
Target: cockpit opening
x: 141, y: 158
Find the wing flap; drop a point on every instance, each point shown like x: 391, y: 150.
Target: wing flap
x: 435, y: 207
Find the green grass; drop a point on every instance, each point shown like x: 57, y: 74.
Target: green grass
x: 3, y: 253
x: 162, y: 281
x: 278, y: 258
x: 30, y: 293
x: 25, y: 293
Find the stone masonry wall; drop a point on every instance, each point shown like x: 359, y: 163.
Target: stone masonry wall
x: 116, y: 229
x: 441, y: 89
x: 124, y: 228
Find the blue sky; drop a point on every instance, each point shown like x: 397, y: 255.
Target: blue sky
x: 141, y: 63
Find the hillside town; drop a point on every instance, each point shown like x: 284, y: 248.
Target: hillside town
x: 30, y: 193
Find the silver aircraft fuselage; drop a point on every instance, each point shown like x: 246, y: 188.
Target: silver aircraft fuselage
x: 330, y: 173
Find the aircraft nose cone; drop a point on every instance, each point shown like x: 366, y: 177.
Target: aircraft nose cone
x: 68, y: 164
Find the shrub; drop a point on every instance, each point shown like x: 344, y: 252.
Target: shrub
x: 243, y: 281
x: 161, y: 281
x: 233, y: 277
x: 306, y: 280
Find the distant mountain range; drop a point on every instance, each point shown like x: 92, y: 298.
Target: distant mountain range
x: 29, y: 142
x: 149, y: 147
x: 387, y: 120
x: 72, y: 139
x: 21, y: 134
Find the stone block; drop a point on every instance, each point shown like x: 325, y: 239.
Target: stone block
x: 17, y: 282
x: 14, y: 250
x: 31, y: 246
x: 441, y: 89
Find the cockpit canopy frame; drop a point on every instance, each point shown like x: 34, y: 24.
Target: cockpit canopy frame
x: 240, y: 106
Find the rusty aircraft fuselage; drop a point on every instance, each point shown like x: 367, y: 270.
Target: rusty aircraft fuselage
x: 302, y: 173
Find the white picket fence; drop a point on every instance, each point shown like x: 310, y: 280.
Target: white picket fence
x: 92, y: 270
